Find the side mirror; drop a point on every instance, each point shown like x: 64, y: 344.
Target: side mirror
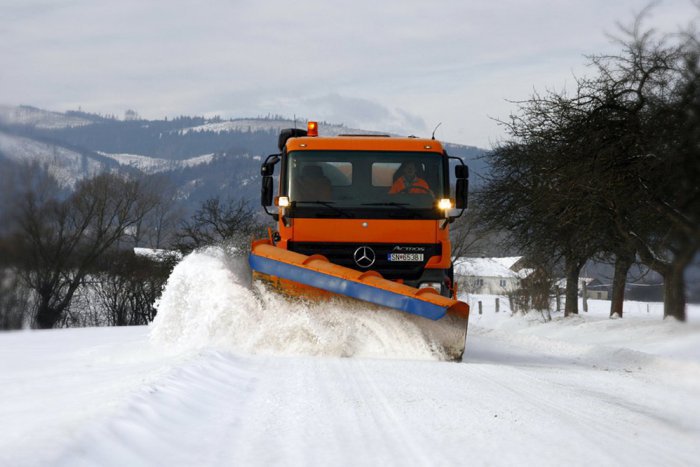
x: 267, y: 190
x: 268, y: 167
x: 462, y: 193
x: 461, y: 171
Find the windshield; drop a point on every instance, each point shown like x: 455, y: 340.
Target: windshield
x: 364, y: 184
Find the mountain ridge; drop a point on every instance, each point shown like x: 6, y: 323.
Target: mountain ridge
x: 203, y: 157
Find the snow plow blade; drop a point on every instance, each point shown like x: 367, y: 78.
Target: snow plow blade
x: 443, y: 319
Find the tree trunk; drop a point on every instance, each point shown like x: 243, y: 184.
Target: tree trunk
x: 674, y: 293
x: 572, y: 273
x: 623, y: 262
x: 47, y: 316
x: 50, y: 311
x: 672, y: 272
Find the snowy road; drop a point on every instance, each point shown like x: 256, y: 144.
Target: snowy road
x: 510, y: 403
x: 227, y: 375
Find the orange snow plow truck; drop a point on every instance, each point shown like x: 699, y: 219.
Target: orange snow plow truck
x: 367, y: 217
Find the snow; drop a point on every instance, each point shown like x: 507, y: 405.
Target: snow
x: 66, y: 166
x: 262, y: 124
x: 507, y: 261
x: 151, y: 165
x: 484, y: 267
x: 53, y: 383
x: 250, y: 320
x: 38, y: 118
x: 642, y: 333
x: 233, y: 375
x: 158, y: 254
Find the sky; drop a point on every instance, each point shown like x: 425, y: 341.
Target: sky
x: 398, y: 66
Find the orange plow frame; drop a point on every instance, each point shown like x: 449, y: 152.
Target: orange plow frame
x: 316, y: 271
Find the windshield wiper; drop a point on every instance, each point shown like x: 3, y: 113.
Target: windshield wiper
x: 390, y: 203
x: 402, y: 206
x: 328, y: 204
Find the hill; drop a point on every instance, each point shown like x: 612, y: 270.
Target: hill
x: 202, y: 157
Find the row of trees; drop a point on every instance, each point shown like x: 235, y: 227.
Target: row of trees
x: 610, y: 170
x: 67, y: 258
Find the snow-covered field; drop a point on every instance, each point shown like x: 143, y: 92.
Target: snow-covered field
x: 229, y: 375
x: 152, y: 165
x: 24, y: 115
x: 66, y: 166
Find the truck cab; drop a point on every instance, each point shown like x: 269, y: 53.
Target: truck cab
x: 368, y: 202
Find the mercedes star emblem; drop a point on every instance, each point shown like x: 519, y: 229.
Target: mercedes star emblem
x: 364, y: 257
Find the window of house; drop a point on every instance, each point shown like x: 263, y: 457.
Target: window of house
x: 502, y: 282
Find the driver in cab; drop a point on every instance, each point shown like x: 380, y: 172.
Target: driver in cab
x: 408, y: 181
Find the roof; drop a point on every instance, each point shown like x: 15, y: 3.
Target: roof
x: 364, y: 143
x: 485, y: 267
x: 507, y: 261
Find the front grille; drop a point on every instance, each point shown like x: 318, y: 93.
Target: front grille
x: 342, y: 254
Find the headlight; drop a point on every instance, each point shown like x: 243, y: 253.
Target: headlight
x: 283, y: 201
x: 445, y: 204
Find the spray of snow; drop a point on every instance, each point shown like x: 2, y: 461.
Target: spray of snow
x: 209, y: 301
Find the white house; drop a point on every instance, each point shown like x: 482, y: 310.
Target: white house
x: 489, y: 275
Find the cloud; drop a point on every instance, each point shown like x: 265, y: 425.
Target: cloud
x: 357, y: 112
x: 399, y: 66
x: 353, y: 112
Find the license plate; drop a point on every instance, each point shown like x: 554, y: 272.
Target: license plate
x: 405, y: 256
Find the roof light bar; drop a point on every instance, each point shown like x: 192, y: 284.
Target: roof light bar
x: 312, y: 129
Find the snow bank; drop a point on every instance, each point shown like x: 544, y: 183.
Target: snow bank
x: 208, y: 301
x: 641, y: 341
x: 642, y: 328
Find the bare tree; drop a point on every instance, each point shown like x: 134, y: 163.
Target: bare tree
x: 611, y: 169
x: 124, y: 290
x: 216, y: 221
x: 532, y: 193
x: 470, y: 236
x: 59, y: 241
x: 649, y: 97
x: 158, y: 227
x: 14, y: 297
